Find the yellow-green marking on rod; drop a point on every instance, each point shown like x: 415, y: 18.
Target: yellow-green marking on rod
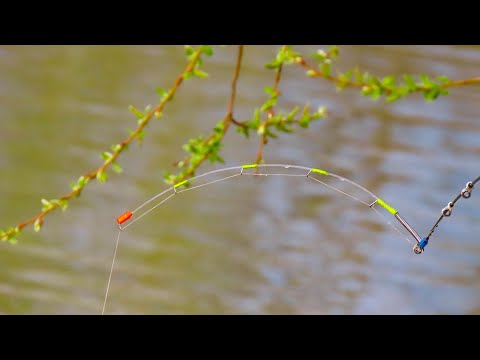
x: 180, y: 183
x: 250, y: 166
x: 320, y: 171
x: 386, y: 206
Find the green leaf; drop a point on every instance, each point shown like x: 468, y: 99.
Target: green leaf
x: 397, y: 93
x: 426, y: 80
x: 366, y: 90
x: 322, y: 111
x: 37, y: 225
x: 189, y: 50
x: 13, y: 241
x: 269, y: 104
x: 333, y: 51
x: 376, y: 92
x: 388, y: 81
x: 343, y: 80
x: 268, y: 133
x: 117, y: 168
x: 199, y: 73
x: 63, y: 204
x: 292, y: 114
x: 273, y: 65
x: 358, y: 75
x: 442, y: 79
x: 432, y: 94
x: 410, y: 83
x: 218, y: 129
x: 255, y: 123
x: 47, y: 205
x: 162, y: 93
x: 187, y: 75
x: 319, y: 55
x: 326, y: 69
x: 82, y: 181
x: 102, y: 177
x: 373, y: 80
x: 136, y: 112
x: 244, y: 130
x: 116, y: 147
x: 393, y: 96
x: 270, y: 91
x: 311, y: 73
x: 140, y: 136
x: 443, y: 91
x: 280, y: 126
x: 207, y: 50
x: 304, y: 121
x: 261, y: 130
x: 106, y: 156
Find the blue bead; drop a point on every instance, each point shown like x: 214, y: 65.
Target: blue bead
x: 423, y: 243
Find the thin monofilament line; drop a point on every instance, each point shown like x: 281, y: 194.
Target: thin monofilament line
x: 211, y: 182
x: 378, y: 212
x: 262, y: 174
x: 391, y: 224
x: 340, y: 191
x: 256, y: 173
x: 145, y: 213
x: 193, y: 178
x: 253, y: 174
x: 111, y: 271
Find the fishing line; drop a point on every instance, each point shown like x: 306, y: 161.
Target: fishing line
x: 111, y: 271
x: 419, y: 244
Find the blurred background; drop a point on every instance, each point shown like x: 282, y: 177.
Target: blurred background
x: 275, y: 246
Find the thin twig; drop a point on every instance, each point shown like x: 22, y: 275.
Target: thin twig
x: 227, y: 120
x: 419, y: 88
x: 270, y: 114
x: 141, y: 125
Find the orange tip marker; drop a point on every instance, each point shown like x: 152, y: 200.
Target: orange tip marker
x: 124, y: 217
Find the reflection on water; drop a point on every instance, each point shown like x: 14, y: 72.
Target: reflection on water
x: 278, y: 245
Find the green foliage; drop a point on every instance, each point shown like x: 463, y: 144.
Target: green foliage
x: 207, y: 49
x: 162, y: 93
x: 117, y: 168
x: 281, y: 122
x: 10, y: 235
x: 198, y: 150
x: 136, y: 112
x: 284, y: 56
x: 38, y: 224
x: 116, y: 147
x: 80, y: 184
x: 102, y: 177
x: 373, y: 87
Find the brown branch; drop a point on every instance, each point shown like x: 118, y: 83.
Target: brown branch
x: 227, y: 120
x: 271, y: 112
x: 236, y: 73
x: 315, y: 73
x: 141, y: 125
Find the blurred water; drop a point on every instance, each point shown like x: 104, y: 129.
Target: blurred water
x: 277, y: 245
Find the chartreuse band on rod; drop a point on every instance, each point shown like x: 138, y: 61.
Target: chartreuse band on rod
x: 256, y: 170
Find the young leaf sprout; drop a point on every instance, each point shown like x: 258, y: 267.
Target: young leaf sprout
x: 332, y: 181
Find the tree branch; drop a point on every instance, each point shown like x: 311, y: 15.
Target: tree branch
x: 225, y: 124
x: 142, y: 123
x: 271, y: 112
